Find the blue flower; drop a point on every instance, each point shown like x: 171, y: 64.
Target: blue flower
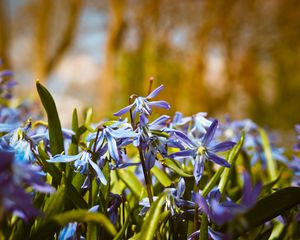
x: 69, y: 232
x: 112, y: 210
x: 202, y: 151
x: 201, y: 123
x: 179, y: 121
x: 294, y: 165
x: 72, y: 230
x: 143, y: 106
x: 174, y: 201
x: 112, y: 138
x: 297, y: 146
x: 82, y: 161
x: 6, y: 83
x: 15, y: 176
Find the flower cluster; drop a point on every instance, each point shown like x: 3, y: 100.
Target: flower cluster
x: 177, y: 177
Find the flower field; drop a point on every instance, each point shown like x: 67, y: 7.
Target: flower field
x: 140, y: 176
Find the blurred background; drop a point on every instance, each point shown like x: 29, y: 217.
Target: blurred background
x: 235, y: 57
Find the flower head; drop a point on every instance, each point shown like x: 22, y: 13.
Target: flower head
x: 143, y: 106
x: 202, y: 150
x: 82, y: 162
x: 15, y: 176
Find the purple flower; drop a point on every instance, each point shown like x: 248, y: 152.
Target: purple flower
x: 174, y: 201
x: 6, y: 83
x: 15, y: 176
x: 221, y: 211
x: 202, y: 151
x: 297, y: 146
x: 112, y: 138
x: 115, y: 203
x: 294, y: 165
x: 155, y: 137
x: 143, y: 106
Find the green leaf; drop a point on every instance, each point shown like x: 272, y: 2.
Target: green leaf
x: 74, y: 196
x: 55, y: 203
x: 50, y: 167
x: 54, y: 126
x: 88, y: 117
x: 122, y: 231
x: 81, y: 130
x: 85, y: 216
x: 73, y: 149
x: 267, y: 187
x: 151, y: 221
x: 59, y: 220
x: 104, y: 190
x: 161, y: 176
x: 212, y: 183
x: 75, y: 120
x: 271, y: 164
x: 132, y: 183
x: 232, y: 156
x: 268, y: 208
x: 175, y: 167
x: 265, y: 235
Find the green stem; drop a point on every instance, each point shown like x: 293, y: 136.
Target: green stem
x: 145, y: 172
x: 204, y: 228
x: 146, y: 176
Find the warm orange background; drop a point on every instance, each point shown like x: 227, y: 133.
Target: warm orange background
x: 236, y: 57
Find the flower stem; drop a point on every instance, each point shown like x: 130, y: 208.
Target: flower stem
x: 145, y: 172
x: 150, y: 84
x: 204, y: 228
x: 146, y: 176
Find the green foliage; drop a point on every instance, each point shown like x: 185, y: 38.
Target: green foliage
x: 55, y: 132
x: 268, y: 208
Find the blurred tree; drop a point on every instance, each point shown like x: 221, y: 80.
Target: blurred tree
x: 240, y: 57
x: 252, y: 39
x: 49, y: 52
x: 4, y: 34
x: 109, y: 82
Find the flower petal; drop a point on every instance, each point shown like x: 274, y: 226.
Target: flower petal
x: 210, y: 133
x: 201, y: 202
x: 150, y: 158
x: 112, y: 147
x: 224, y: 146
x: 64, y: 158
x: 182, y: 137
x: 159, y: 122
x: 218, y: 160
x: 183, y: 153
x: 160, y: 104
x: 198, y: 168
x: 98, y: 171
x: 123, y: 110
x: 121, y: 133
x: 7, y: 127
x: 155, y: 91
